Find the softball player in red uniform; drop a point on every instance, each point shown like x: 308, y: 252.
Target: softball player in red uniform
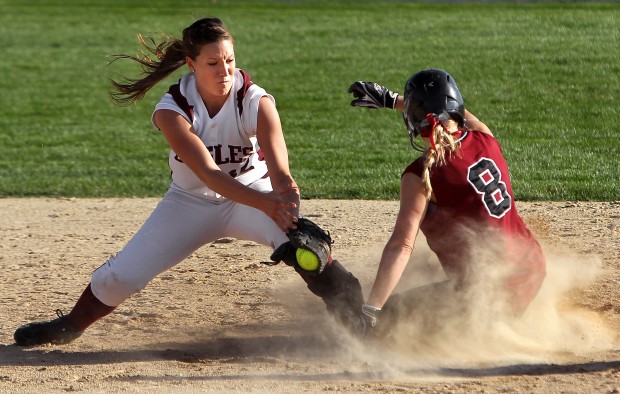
x: 230, y: 178
x: 458, y: 193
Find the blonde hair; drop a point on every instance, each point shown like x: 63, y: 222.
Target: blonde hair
x: 444, y: 145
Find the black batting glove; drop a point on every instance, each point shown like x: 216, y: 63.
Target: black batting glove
x: 372, y: 95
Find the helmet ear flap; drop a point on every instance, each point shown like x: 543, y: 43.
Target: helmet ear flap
x: 412, y: 115
x: 413, y: 133
x: 409, y: 122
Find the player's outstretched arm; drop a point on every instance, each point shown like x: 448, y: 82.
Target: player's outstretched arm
x: 272, y: 143
x: 188, y: 146
x: 396, y: 253
x: 372, y: 95
x: 472, y: 123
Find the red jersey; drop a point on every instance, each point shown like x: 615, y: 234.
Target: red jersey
x: 475, y: 211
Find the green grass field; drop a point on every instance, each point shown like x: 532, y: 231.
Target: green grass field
x: 544, y: 76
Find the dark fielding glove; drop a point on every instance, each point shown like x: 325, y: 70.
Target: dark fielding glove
x: 285, y: 253
x: 372, y: 95
x: 368, y: 320
x: 307, y: 236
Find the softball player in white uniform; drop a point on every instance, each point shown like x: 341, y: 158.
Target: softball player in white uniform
x: 213, y: 119
x: 230, y: 178
x: 191, y: 214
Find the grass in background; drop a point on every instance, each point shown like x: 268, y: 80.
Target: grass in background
x: 544, y: 77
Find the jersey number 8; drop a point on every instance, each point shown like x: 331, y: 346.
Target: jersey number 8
x: 486, y: 178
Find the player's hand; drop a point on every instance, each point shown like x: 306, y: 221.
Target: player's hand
x: 292, y: 195
x: 372, y: 95
x: 280, y: 210
x: 368, y: 320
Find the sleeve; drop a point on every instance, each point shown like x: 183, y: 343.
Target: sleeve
x: 175, y: 100
x: 249, y: 115
x: 167, y: 102
x: 416, y: 167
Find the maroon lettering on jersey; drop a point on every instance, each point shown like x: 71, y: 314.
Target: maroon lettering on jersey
x: 247, y: 82
x: 248, y: 150
x: 175, y: 92
x: 216, y: 153
x: 235, y: 156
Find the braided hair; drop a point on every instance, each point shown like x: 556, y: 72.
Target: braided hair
x: 444, y: 143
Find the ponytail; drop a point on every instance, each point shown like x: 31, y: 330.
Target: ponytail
x: 160, y: 60
x: 169, y: 56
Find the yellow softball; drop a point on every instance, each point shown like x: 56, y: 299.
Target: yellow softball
x: 307, y: 260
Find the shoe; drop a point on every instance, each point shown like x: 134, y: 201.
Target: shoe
x: 56, y: 332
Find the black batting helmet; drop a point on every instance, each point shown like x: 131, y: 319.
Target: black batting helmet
x: 431, y: 91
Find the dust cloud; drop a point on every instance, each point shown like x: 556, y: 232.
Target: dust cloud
x: 440, y: 327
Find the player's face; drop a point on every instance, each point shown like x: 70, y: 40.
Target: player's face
x: 214, y: 68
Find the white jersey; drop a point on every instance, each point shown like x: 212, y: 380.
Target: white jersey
x: 230, y: 136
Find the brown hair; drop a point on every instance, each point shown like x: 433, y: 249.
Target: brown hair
x: 445, y: 146
x: 170, y: 54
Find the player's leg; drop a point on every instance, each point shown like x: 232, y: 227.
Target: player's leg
x: 423, y: 306
x: 247, y: 223
x: 525, y: 279
x: 172, y: 232
x: 341, y: 292
x: 337, y: 287
x: 179, y: 225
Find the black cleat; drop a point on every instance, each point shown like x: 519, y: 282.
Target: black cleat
x: 56, y: 332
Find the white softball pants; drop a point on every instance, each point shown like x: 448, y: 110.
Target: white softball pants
x: 179, y: 225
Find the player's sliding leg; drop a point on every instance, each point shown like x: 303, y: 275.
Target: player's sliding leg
x: 340, y: 291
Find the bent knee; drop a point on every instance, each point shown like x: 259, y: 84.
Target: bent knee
x: 112, y: 287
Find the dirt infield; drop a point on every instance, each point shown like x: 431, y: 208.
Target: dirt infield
x: 223, y: 322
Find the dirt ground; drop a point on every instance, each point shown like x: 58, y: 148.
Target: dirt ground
x: 222, y: 322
